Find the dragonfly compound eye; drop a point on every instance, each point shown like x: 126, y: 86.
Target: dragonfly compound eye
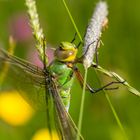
x: 66, y: 52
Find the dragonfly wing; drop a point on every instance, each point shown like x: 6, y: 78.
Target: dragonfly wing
x: 27, y: 66
x: 25, y: 77
x: 30, y: 79
x: 68, y: 129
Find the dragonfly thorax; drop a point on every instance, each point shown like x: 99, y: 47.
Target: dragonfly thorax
x: 61, y: 70
x: 66, y: 52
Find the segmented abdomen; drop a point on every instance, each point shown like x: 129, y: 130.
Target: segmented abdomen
x: 63, y: 76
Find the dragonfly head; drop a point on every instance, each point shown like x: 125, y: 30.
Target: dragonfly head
x: 66, y: 52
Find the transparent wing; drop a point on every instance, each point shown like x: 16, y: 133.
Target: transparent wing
x: 38, y: 90
x: 25, y: 77
x: 67, y: 127
x: 25, y: 65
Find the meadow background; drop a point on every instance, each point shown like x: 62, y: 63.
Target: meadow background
x: 120, y: 53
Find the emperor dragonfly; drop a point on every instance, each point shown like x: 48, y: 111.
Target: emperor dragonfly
x: 56, y: 79
x: 47, y: 78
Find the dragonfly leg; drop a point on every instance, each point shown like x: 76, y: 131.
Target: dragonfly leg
x: 96, y: 52
x: 80, y: 59
x: 74, y: 37
x: 79, y: 44
x: 105, y: 87
x: 88, y: 87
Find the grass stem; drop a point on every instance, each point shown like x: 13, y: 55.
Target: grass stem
x: 116, y: 116
x: 82, y: 104
x: 72, y: 20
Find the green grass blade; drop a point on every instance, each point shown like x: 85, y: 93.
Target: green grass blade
x: 72, y: 20
x: 82, y: 104
x: 116, y: 116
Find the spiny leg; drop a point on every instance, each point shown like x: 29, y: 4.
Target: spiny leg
x: 88, y: 87
x: 77, y: 46
x: 80, y: 59
x: 80, y: 78
x: 107, y: 85
x: 96, y: 52
x: 74, y: 37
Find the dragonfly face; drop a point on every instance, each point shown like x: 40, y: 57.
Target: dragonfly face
x: 66, y: 52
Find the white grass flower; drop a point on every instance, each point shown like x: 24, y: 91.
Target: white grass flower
x: 93, y: 33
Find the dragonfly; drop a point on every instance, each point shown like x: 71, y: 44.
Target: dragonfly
x: 55, y: 80
x: 49, y: 88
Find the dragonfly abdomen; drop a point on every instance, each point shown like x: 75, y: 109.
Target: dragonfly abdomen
x: 63, y: 76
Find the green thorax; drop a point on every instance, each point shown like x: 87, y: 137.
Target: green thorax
x: 63, y: 76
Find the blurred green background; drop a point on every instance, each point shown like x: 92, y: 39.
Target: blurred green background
x: 120, y: 53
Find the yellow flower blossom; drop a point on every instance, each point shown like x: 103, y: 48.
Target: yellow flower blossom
x: 14, y: 109
x: 44, y: 134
